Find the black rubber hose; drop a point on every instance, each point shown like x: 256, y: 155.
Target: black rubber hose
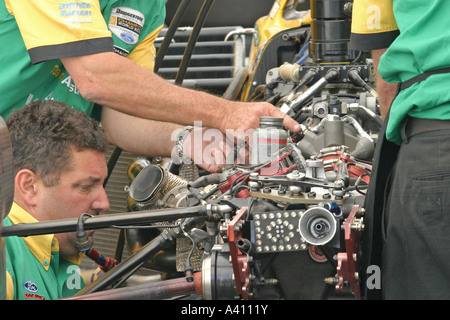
x: 198, y: 25
x: 174, y: 24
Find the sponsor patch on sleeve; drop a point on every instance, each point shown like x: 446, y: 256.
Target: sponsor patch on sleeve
x: 126, y: 23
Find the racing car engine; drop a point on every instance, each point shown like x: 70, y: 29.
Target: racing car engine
x: 287, y: 225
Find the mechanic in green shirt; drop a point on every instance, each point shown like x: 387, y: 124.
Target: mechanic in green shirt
x: 101, y: 51
x: 408, y: 219
x: 32, y: 67
x: 60, y: 166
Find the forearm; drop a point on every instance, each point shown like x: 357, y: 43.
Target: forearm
x: 111, y: 80
x: 386, y: 90
x: 139, y: 136
x: 121, y: 84
x: 157, y: 139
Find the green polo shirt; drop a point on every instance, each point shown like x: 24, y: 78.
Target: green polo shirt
x: 35, y: 34
x: 35, y: 270
x: 422, y: 45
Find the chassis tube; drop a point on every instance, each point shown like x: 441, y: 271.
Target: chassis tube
x: 153, y: 291
x: 134, y: 262
x: 102, y: 221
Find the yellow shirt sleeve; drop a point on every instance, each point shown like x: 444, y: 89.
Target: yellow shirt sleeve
x: 55, y: 28
x: 144, y: 53
x: 50, y: 22
x: 373, y: 16
x: 373, y: 25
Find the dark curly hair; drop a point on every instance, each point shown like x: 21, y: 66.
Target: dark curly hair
x: 43, y: 134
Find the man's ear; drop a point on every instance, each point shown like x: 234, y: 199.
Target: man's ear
x: 25, y: 186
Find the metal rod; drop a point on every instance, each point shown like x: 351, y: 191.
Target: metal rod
x: 112, y: 163
x: 122, y: 269
x: 164, y: 240
x: 153, y: 291
x: 102, y: 221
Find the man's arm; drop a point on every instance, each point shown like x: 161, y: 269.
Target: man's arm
x: 116, y: 82
x: 155, y: 138
x: 386, y: 90
x: 373, y: 29
x: 137, y: 135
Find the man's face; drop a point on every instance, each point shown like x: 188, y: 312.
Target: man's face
x: 80, y: 190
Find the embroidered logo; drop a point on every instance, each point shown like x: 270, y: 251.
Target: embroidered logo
x: 33, y: 296
x: 30, y: 286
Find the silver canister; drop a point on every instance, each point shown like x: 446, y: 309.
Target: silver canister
x: 268, y: 140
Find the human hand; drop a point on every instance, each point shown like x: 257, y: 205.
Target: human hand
x: 245, y: 116
x: 211, y: 150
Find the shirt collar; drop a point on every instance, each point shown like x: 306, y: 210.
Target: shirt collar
x: 41, y: 245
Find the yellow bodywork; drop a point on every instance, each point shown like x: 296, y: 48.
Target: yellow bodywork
x: 265, y: 28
